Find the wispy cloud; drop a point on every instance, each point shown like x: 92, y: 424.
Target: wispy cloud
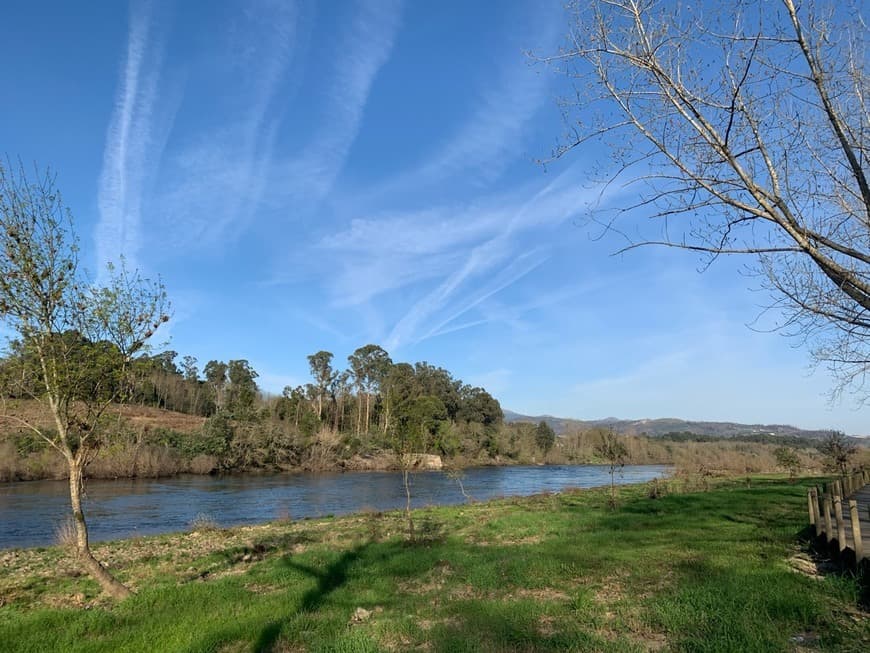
x: 214, y: 183
x: 501, y: 261
x: 132, y: 145
x: 471, y: 252
x: 488, y: 140
x: 362, y: 48
x: 224, y: 176
x: 491, y: 136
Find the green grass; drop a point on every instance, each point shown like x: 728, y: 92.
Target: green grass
x: 705, y: 571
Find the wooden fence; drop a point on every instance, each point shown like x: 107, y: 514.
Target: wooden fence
x: 840, y: 510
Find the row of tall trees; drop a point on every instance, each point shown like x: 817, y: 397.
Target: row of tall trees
x: 403, y: 405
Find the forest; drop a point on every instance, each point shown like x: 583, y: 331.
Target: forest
x: 179, y: 418
x: 343, y: 417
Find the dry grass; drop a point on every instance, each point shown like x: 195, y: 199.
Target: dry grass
x: 36, y: 413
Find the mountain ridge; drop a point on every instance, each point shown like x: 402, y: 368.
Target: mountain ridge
x: 663, y: 425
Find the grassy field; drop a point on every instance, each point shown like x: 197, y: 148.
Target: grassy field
x: 722, y: 570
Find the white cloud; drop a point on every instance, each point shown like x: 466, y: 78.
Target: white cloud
x: 362, y: 49
x: 472, y: 252
x: 132, y: 147
x: 222, y: 178
x: 215, y: 182
x: 492, y: 135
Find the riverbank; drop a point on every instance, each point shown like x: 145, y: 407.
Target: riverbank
x: 134, y: 508
x: 704, y: 571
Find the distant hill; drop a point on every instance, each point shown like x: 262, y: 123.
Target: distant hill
x: 663, y: 426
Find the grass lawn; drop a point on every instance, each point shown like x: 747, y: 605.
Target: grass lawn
x: 706, y: 571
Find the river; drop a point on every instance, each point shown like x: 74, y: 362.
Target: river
x: 30, y: 512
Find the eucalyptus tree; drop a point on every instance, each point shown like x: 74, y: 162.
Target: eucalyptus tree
x: 78, y: 338
x: 369, y: 365
x: 216, y: 376
x: 745, y: 127
x: 242, y: 389
x: 323, y: 375
x: 339, y: 389
x: 191, y: 379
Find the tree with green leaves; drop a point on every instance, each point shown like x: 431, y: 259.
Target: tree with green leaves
x: 323, y: 375
x: 216, y: 377
x: 78, y: 338
x: 787, y: 459
x: 242, y: 390
x: 545, y: 437
x: 478, y: 406
x: 369, y: 365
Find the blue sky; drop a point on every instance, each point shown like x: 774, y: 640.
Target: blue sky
x: 312, y: 175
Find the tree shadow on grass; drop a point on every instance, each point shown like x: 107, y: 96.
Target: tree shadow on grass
x: 328, y: 579
x: 262, y: 547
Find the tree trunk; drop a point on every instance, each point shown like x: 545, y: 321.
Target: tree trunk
x: 109, y: 583
x: 368, y: 415
x: 387, y: 415
x: 407, y: 484
x: 612, y: 488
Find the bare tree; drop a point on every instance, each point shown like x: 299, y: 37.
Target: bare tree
x: 838, y: 452
x: 612, y: 449
x: 746, y: 128
x: 77, y: 340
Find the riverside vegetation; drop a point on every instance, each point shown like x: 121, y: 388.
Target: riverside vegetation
x: 726, y: 569
x: 181, y: 420
x: 152, y: 442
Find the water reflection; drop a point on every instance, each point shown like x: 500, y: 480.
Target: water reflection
x: 29, y: 512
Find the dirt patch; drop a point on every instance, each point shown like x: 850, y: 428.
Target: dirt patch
x: 652, y: 641
x: 547, y: 625
x: 463, y: 593
x: 531, y: 539
x: 542, y: 594
x: 261, y: 589
x: 610, y: 593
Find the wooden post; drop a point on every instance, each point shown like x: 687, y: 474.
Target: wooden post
x: 810, y: 508
x: 856, y: 531
x: 817, y: 515
x: 841, y: 523
x: 829, y: 535
x: 820, y: 510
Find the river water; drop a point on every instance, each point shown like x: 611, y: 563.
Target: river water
x: 30, y: 512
